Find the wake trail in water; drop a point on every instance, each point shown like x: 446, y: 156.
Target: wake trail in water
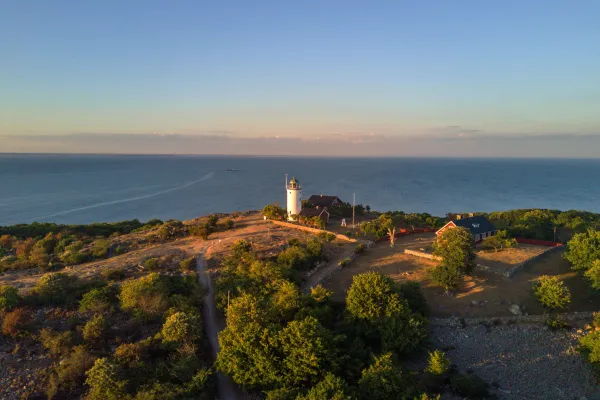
x: 147, y: 196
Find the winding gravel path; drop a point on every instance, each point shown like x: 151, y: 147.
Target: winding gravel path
x: 525, y: 362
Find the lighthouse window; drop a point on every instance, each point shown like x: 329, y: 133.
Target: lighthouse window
x: 290, y: 192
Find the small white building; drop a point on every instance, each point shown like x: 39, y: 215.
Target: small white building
x: 294, y: 198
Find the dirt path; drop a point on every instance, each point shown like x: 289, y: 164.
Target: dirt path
x: 325, y: 271
x: 227, y: 389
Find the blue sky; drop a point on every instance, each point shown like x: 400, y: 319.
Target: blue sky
x: 73, y: 74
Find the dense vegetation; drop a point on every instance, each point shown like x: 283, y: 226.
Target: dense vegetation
x: 289, y: 345
x: 50, y: 246
x: 394, y: 219
x: 138, y: 340
x: 455, y: 248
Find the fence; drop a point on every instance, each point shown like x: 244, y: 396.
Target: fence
x: 538, y: 242
x: 313, y: 230
x: 421, y: 254
x: 405, y: 232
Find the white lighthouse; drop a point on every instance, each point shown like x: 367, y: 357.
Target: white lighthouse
x: 294, y: 198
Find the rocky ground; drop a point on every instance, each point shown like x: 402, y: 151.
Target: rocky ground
x: 520, y: 361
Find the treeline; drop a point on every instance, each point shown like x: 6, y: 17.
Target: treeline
x: 544, y: 224
x: 104, y: 229
x: 395, y: 219
x: 141, y: 339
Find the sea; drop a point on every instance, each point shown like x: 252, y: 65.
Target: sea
x: 81, y: 189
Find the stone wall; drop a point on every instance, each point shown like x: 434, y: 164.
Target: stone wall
x: 506, y: 320
x: 312, y: 230
x: 422, y: 254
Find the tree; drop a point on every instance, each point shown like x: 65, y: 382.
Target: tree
x: 455, y: 247
x: 17, y: 322
x: 68, y: 375
x: 382, y: 381
x: 146, y: 297
x: 100, y: 248
x: 104, y: 381
x: 499, y: 241
x: 202, y: 231
x: 272, y: 211
x: 212, y: 220
x: 593, y: 274
x: 391, y: 232
x: 551, y: 292
x: 57, y: 288
x: 182, y: 328
x: 100, y: 300
x: 583, y: 249
x: 330, y: 388
x: 383, y: 316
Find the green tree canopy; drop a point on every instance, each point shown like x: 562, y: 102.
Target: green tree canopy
x: 583, y: 249
x: 551, y: 292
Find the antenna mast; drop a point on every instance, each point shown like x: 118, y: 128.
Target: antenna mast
x: 353, y: 204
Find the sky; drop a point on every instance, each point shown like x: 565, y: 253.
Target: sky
x: 381, y: 78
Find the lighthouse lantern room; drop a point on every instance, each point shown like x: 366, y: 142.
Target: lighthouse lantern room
x: 294, y: 198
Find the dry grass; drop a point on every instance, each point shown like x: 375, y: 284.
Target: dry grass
x: 508, y: 258
x: 482, y: 294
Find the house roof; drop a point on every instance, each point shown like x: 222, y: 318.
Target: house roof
x: 312, y: 212
x: 323, y: 201
x: 477, y: 224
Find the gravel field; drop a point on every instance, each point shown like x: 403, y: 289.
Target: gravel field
x: 522, y: 361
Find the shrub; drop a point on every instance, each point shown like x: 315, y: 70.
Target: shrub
x: 360, y: 248
x: 438, y: 364
x: 202, y: 231
x: 69, y: 375
x: 182, y: 328
x: 99, y: 301
x: 57, y: 288
x: 146, y: 297
x: 593, y: 274
x: 329, y: 237
x: 57, y: 343
x: 447, y: 277
x: 104, y: 381
x: 152, y: 264
x: 314, y: 247
x: 470, y: 386
x: 212, y: 220
x: 9, y: 297
x: 100, y: 248
x: 555, y: 322
x: 345, y: 262
x: 348, y: 233
x: 113, y: 274
x: 294, y: 258
x: 17, y: 322
x: 229, y: 224
x: 411, y: 291
x: 189, y: 264
x: 590, y: 348
x: 241, y: 247
x: 94, y: 330
x: 551, y: 292
x: 293, y: 242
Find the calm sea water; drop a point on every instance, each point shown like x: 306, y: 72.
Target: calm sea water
x: 84, y: 189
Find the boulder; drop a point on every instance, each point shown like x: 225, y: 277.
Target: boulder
x: 515, y: 309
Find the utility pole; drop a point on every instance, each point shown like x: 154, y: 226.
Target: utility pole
x: 286, y: 181
x: 353, y: 204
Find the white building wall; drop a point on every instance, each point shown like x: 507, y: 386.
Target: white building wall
x: 294, y: 202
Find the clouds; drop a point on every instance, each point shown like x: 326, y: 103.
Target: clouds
x: 451, y: 141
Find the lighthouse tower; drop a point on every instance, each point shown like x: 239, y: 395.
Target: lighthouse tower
x: 294, y: 198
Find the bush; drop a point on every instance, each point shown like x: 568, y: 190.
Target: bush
x: 555, y: 322
x: 360, y: 248
x: 99, y: 301
x: 293, y: 242
x: 447, y: 277
x: 551, y: 292
x: 229, y: 224
x: 438, y: 364
x: 57, y: 343
x: 294, y: 258
x: 182, y: 328
x: 9, y: 297
x: 104, y: 381
x: 17, y: 323
x: 113, y: 274
x: 345, y: 262
x: 100, y: 248
x: 590, y: 348
x: 145, y: 297
x: 470, y: 386
x: 241, y: 247
x: 94, y: 330
x: 189, y: 264
x: 314, y: 247
x: 57, y: 288
x: 152, y: 264
x: 202, y: 231
x: 212, y: 220
x: 329, y: 237
x: 69, y: 375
